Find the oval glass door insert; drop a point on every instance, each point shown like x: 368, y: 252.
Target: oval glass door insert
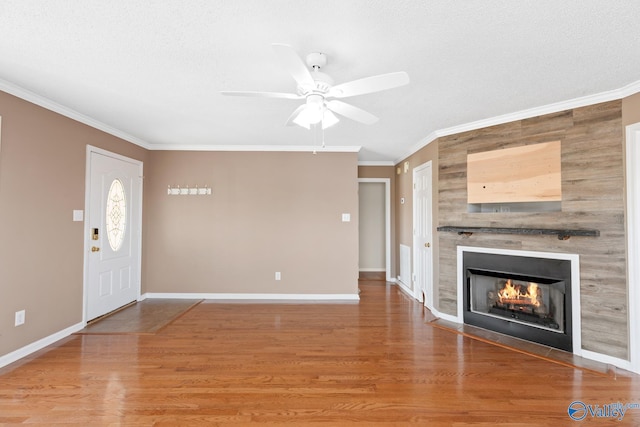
x: 116, y: 218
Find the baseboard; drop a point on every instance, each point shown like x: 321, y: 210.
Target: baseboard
x: 603, y: 358
x: 445, y: 316
x: 258, y: 297
x: 25, y: 351
x: 404, y: 288
x: 586, y: 354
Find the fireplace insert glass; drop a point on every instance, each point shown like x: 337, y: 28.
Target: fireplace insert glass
x: 525, y: 297
x: 536, y: 302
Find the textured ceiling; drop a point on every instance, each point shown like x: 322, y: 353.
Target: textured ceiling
x: 152, y: 71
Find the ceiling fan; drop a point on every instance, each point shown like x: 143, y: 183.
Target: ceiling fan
x: 318, y: 90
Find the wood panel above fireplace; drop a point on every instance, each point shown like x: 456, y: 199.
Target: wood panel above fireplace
x: 528, y: 173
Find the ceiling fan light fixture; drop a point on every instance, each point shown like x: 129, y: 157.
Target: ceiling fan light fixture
x: 318, y: 89
x: 303, y: 119
x: 315, y: 108
x: 308, y: 117
x: 329, y: 119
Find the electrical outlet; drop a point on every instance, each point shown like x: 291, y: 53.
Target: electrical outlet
x: 20, y: 317
x: 278, y: 275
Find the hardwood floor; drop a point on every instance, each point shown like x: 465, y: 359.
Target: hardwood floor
x: 377, y: 362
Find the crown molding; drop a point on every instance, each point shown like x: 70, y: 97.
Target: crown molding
x: 47, y: 103
x: 376, y: 163
x: 280, y: 148
x: 583, y: 101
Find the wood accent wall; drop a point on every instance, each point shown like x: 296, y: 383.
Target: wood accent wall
x: 592, y: 150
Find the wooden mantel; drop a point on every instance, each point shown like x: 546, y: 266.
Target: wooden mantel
x: 563, y: 234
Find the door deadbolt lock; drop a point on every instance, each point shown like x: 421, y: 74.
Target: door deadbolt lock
x: 95, y: 249
x: 427, y: 245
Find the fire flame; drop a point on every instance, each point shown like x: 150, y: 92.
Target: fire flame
x: 513, y: 294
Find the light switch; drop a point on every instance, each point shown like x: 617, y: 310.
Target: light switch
x: 78, y: 215
x: 346, y: 217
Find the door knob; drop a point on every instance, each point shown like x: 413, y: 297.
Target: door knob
x: 95, y: 249
x: 427, y: 245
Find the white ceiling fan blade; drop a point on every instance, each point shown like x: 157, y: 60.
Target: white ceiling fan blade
x: 294, y: 115
x: 369, y: 85
x: 262, y: 94
x: 294, y: 65
x: 351, y: 112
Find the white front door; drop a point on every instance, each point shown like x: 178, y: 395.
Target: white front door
x: 113, y: 231
x: 422, y: 236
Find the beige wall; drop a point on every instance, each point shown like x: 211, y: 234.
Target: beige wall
x: 268, y: 212
x: 631, y: 110
x: 42, y: 177
x: 259, y: 219
x: 404, y: 212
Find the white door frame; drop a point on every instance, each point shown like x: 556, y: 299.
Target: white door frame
x: 428, y: 293
x: 87, y: 206
x: 387, y: 221
x: 633, y: 241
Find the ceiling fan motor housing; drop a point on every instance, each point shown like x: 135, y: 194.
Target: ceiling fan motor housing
x: 316, y: 60
x: 323, y: 82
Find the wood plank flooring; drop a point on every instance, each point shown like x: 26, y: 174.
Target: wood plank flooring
x: 377, y: 362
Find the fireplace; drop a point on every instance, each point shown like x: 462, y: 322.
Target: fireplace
x: 525, y: 296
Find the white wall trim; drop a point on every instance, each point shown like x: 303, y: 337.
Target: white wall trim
x: 44, y: 102
x: 583, y: 101
x: 376, y: 163
x: 633, y: 242
x: 404, y: 288
x: 277, y: 148
x: 402, y: 284
x: 40, y: 344
x: 50, y: 105
x: 603, y: 358
x: 260, y: 297
x: 387, y: 220
x: 444, y: 316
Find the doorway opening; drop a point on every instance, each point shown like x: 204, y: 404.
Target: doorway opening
x: 375, y: 228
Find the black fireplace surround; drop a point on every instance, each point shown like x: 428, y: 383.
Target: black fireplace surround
x: 539, y: 306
